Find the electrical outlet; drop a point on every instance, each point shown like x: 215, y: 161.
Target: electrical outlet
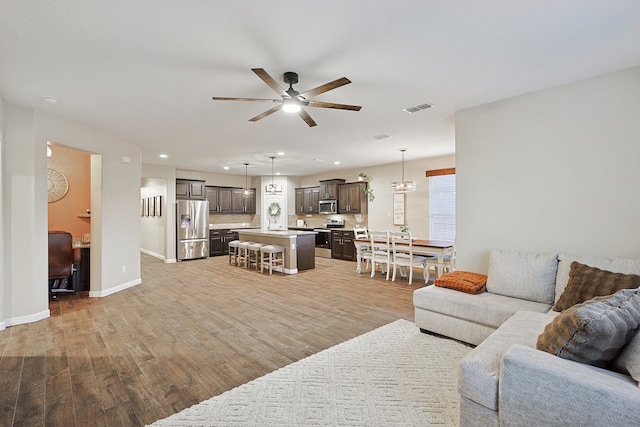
x: 124, y: 268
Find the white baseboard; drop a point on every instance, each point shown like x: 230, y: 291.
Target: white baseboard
x: 169, y: 261
x: 115, y: 289
x: 2, y: 327
x: 153, y: 254
x: 25, y: 319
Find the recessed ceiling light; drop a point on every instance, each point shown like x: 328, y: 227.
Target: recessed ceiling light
x: 163, y: 156
x: 280, y: 153
x: 50, y: 99
x: 226, y: 168
x: 336, y: 162
x: 277, y: 173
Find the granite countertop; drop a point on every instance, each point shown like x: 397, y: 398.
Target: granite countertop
x: 235, y: 226
x: 283, y: 233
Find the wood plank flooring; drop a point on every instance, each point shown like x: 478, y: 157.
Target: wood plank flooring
x: 189, y: 331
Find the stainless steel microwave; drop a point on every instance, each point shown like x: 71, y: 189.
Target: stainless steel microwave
x: 328, y: 207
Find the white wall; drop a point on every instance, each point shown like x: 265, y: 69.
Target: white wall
x: 115, y: 255
x: 551, y: 171
x: 168, y: 175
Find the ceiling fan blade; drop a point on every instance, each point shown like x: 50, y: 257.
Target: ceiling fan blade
x: 332, y: 105
x: 270, y: 81
x: 266, y: 113
x: 307, y: 118
x: 325, y: 87
x: 220, y: 98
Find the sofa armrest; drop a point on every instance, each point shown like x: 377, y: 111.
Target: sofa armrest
x: 538, y: 388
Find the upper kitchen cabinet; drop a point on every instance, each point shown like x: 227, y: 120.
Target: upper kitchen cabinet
x: 241, y: 204
x: 219, y: 199
x: 190, y: 189
x: 350, y: 199
x: 307, y: 200
x: 329, y: 189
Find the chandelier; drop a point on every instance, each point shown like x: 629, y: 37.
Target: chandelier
x: 272, y: 188
x: 403, y: 186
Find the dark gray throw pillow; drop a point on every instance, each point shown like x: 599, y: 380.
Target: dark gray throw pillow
x: 586, y: 282
x: 593, y: 332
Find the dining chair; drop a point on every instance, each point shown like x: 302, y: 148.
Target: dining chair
x: 403, y: 256
x: 380, y: 251
x: 363, y: 251
x: 448, y: 263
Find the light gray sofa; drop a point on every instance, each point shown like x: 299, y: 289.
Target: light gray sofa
x: 505, y: 380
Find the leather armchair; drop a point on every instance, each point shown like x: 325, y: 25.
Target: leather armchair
x: 63, y: 261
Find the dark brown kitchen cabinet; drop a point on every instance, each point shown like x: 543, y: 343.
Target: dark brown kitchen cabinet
x: 190, y: 189
x: 350, y: 199
x: 241, y: 204
x: 219, y: 199
x: 219, y: 241
x: 329, y: 188
x: 342, y: 246
x: 307, y: 200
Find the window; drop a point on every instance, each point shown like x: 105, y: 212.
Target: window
x: 442, y: 207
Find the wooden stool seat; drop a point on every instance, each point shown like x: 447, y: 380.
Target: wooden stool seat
x: 243, y: 252
x: 253, y: 255
x: 233, y: 251
x: 271, y: 256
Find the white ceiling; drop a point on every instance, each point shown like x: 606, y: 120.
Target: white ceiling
x: 145, y: 71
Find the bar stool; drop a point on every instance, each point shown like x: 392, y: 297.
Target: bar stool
x: 253, y: 255
x: 243, y: 253
x: 271, y: 255
x: 233, y: 251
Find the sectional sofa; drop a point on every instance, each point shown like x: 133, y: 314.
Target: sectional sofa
x: 506, y: 380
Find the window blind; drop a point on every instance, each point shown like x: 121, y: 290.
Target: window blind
x: 442, y: 207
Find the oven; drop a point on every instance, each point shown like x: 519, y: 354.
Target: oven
x: 323, y: 237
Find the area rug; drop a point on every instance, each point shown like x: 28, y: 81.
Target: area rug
x: 392, y: 376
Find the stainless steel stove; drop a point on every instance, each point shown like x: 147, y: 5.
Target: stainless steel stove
x: 323, y: 238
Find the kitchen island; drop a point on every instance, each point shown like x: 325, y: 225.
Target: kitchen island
x: 299, y: 246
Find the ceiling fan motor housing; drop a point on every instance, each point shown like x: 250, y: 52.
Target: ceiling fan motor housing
x: 290, y: 78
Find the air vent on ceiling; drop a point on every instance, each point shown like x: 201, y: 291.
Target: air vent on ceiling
x: 418, y: 108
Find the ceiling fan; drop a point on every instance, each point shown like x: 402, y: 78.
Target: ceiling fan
x: 292, y: 100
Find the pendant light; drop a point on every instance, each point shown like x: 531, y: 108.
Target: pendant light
x: 403, y: 186
x: 246, y: 193
x: 272, y: 188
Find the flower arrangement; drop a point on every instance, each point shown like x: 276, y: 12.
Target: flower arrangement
x: 274, y: 209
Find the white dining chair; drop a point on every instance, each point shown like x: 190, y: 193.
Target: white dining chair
x: 380, y: 251
x: 403, y: 257
x: 448, y: 263
x: 363, y: 251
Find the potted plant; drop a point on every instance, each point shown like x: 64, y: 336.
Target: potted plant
x: 364, y: 187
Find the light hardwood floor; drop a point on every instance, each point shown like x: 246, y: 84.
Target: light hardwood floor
x: 189, y: 331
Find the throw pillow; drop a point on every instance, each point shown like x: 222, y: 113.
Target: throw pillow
x: 628, y: 362
x: 463, y: 281
x: 593, y: 332
x: 522, y: 275
x: 586, y: 282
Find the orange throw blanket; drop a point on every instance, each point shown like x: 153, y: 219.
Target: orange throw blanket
x: 463, y: 281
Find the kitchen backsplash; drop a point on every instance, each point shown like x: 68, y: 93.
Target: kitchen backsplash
x: 317, y: 221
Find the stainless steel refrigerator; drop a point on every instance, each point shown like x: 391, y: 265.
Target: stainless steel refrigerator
x: 192, y: 237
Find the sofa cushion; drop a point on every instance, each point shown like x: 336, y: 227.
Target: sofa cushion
x: 628, y: 361
x: 586, y: 282
x: 485, y: 308
x: 593, y: 332
x: 617, y: 265
x: 479, y: 371
x: 522, y: 275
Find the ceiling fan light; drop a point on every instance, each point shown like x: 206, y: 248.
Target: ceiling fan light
x: 290, y: 106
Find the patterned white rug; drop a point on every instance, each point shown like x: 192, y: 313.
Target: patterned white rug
x: 394, y: 375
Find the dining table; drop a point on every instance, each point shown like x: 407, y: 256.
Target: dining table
x: 419, y: 247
